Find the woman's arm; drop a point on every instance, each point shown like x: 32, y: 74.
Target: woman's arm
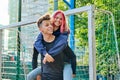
x: 39, y: 46
x: 60, y: 44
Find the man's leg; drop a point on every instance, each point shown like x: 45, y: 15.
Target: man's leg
x: 33, y: 74
x: 67, y: 73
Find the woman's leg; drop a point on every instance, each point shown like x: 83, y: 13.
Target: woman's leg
x: 67, y: 73
x: 33, y: 74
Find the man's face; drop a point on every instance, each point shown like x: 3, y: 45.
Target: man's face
x: 46, y: 27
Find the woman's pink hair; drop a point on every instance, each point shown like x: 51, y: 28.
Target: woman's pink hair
x: 63, y: 26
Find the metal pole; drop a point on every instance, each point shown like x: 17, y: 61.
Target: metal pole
x: 91, y: 41
x: 0, y: 54
x: 71, y: 5
x: 72, y: 19
x: 72, y: 30
x: 18, y: 42
x: 55, y: 5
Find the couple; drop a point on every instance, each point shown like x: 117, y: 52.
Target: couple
x: 57, y: 58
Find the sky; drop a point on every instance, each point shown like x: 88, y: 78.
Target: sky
x: 4, y: 18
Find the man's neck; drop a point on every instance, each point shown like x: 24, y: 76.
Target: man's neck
x: 48, y: 38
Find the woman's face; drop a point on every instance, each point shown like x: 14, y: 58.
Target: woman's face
x: 58, y: 20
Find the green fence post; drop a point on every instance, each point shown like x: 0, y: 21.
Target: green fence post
x: 0, y: 54
x: 18, y: 42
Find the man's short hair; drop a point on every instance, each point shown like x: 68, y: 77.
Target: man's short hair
x: 42, y: 18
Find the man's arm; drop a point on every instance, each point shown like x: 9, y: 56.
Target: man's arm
x: 34, y: 58
x: 72, y: 57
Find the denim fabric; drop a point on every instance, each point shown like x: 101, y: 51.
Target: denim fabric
x: 67, y: 73
x: 33, y: 74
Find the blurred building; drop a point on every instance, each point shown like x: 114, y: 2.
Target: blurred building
x: 13, y: 11
x: 30, y: 9
x: 0, y: 25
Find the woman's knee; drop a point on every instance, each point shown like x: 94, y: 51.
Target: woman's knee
x: 29, y: 77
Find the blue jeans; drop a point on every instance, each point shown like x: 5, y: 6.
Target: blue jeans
x: 33, y: 74
x: 67, y: 73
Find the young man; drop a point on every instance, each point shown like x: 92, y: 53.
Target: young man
x: 52, y: 66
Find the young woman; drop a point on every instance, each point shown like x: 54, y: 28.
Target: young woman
x: 60, y: 26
